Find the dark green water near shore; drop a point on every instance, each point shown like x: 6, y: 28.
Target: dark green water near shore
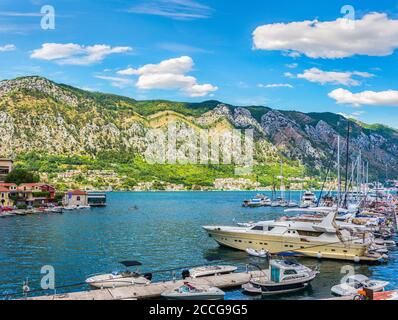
x: 162, y: 230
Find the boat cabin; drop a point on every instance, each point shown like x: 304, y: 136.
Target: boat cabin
x: 282, y: 270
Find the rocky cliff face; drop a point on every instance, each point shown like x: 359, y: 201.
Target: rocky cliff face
x: 37, y: 114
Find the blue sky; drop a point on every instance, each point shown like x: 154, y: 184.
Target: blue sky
x: 239, y: 52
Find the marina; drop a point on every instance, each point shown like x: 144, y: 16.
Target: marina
x: 164, y: 233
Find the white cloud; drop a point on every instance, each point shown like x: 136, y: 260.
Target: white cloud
x: 332, y: 77
x: 170, y: 74
x: 276, y: 85
x: 371, y: 98
x: 116, y: 81
x: 180, y: 65
x: 71, y: 53
x: 353, y: 115
x: 174, y: 9
x: 289, y: 75
x: 292, y: 65
x: 7, y: 47
x: 373, y: 35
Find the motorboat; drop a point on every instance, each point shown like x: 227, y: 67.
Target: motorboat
x: 6, y: 214
x: 386, y: 243
x: 70, y: 208
x: 280, y: 202
x: 318, y: 238
x: 292, y: 204
x: 308, y: 199
x: 191, y: 291
x: 357, y: 282
x: 283, y: 276
x: 123, y: 278
x: 258, y: 253
x: 83, y: 207
x: 258, y: 201
x: 207, y: 271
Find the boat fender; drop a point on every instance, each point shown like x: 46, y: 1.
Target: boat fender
x: 148, y: 276
x: 319, y: 255
x: 357, y: 259
x: 185, y: 274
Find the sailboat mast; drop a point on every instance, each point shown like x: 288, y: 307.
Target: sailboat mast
x: 338, y: 173
x: 347, y: 162
x: 282, y: 184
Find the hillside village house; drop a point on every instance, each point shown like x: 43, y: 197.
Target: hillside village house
x: 5, y: 167
x: 35, y: 193
x: 75, y: 198
x: 6, y: 190
x: 5, y: 197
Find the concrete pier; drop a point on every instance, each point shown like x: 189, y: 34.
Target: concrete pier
x: 153, y: 290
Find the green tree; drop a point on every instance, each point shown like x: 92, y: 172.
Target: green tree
x: 19, y: 176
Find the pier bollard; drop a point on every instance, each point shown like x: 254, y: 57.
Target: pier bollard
x: 25, y: 288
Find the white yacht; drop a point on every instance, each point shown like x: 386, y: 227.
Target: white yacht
x: 258, y: 201
x: 308, y: 199
x: 120, y: 278
x: 358, y: 282
x: 211, y: 271
x: 320, y: 238
x: 194, y: 292
x: 283, y: 276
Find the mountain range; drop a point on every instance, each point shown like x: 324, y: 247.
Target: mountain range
x: 41, y: 116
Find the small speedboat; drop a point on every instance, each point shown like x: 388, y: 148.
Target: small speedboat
x: 292, y: 204
x: 120, y: 278
x: 83, y: 207
x: 6, y: 214
x: 282, y: 277
x: 358, y: 282
x: 192, y: 292
x: 259, y: 201
x: 257, y: 253
x: 211, y: 271
x: 70, y: 208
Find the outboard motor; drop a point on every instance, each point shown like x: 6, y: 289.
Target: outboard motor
x: 185, y: 274
x: 148, y: 276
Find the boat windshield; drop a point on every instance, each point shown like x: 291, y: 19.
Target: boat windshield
x: 187, y: 288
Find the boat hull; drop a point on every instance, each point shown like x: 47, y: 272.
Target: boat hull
x: 193, y: 297
x: 290, y: 246
x: 274, y: 290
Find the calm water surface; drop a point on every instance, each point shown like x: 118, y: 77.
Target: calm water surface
x: 163, y: 233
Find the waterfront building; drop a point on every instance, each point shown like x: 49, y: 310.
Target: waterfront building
x: 5, y: 167
x: 35, y: 194
x: 96, y: 199
x: 5, y: 200
x: 75, y: 198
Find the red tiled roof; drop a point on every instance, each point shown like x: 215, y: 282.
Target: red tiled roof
x: 78, y: 192
x: 2, y: 189
x: 31, y: 184
x: 4, y: 184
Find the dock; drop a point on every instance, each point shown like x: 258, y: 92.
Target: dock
x: 153, y: 290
